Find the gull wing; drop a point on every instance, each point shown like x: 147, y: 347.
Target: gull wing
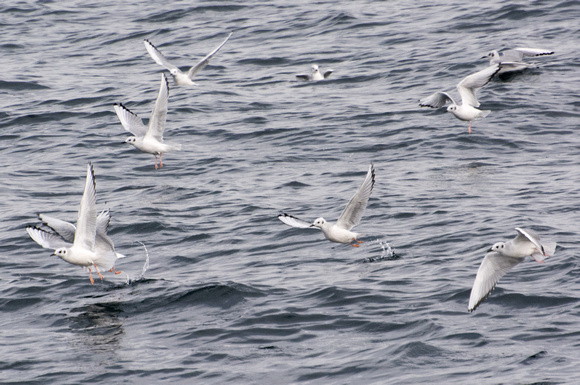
x: 327, y: 73
x: 303, y: 77
x: 87, y: 220
x: 103, y: 220
x: 520, y: 53
x: 352, y: 213
x: 158, y: 57
x: 203, y: 62
x: 64, y: 229
x: 468, y: 85
x: 295, y: 222
x: 130, y: 121
x: 159, y: 114
x: 437, y: 100
x: 46, y: 239
x: 546, y: 248
x: 493, y: 267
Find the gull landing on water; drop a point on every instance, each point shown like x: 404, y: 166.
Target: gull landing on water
x: 511, y: 60
x: 467, y: 110
x: 502, y: 257
x: 315, y: 75
x: 86, y: 244
x: 181, y: 79
x: 340, y: 231
x: 149, y: 139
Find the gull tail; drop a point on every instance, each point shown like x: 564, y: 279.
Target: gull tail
x: 482, y: 114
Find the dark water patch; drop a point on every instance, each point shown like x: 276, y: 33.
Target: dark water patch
x: 19, y: 86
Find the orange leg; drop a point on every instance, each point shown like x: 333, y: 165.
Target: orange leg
x: 469, y: 128
x: 91, y: 276
x: 98, y: 272
x: 354, y: 245
x: 155, y: 161
x: 160, y: 161
x: 356, y: 240
x: 115, y: 271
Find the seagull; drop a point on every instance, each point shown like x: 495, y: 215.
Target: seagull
x: 467, y: 110
x: 181, y: 79
x: 149, y: 139
x: 502, y: 257
x: 350, y: 217
x: 86, y: 244
x: 316, y: 75
x: 511, y: 60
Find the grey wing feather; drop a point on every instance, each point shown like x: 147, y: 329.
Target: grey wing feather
x: 471, y: 83
x: 493, y: 267
x: 328, y: 73
x: 87, y: 220
x: 63, y: 228
x: 529, y: 52
x: 130, y: 121
x: 303, y: 77
x: 203, y: 62
x: 46, y: 239
x: 295, y: 222
x: 436, y: 100
x: 354, y: 209
x: 159, y: 114
x: 158, y: 56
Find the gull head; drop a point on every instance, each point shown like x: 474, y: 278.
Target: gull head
x: 314, y: 68
x: 60, y: 252
x: 320, y: 222
x: 174, y: 71
x: 131, y: 140
x: 452, y: 108
x: 498, y: 247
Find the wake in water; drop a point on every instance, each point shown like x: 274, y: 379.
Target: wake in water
x: 388, y: 252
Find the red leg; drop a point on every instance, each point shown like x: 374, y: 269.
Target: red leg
x: 160, y: 161
x: 155, y: 162
x: 469, y: 128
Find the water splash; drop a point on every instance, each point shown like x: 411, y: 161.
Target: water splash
x: 388, y: 252
x: 145, y: 267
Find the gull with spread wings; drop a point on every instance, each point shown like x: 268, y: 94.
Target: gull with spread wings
x: 340, y: 231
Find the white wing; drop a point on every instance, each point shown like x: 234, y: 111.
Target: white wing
x: 203, y: 62
x: 130, y: 121
x: 528, y: 52
x: 63, y: 228
x: 295, y: 222
x: 352, y: 213
x: 159, y: 114
x: 87, y: 221
x: 493, y: 267
x: 437, y: 100
x: 103, y: 221
x: 471, y: 83
x: 46, y: 239
x: 546, y: 248
x: 158, y: 57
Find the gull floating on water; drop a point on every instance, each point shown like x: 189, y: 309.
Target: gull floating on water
x: 502, y: 257
x: 149, y: 139
x: 350, y: 217
x: 467, y: 110
x: 315, y: 75
x: 86, y: 244
x: 181, y: 79
x: 511, y: 60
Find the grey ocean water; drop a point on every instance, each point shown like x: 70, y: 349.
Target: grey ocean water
x: 232, y: 295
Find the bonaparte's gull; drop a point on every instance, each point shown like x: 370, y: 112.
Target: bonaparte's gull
x: 149, y: 139
x: 181, y: 79
x: 87, y: 244
x: 350, y: 217
x: 467, y: 111
x: 502, y: 257
x: 315, y: 75
x: 511, y: 60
